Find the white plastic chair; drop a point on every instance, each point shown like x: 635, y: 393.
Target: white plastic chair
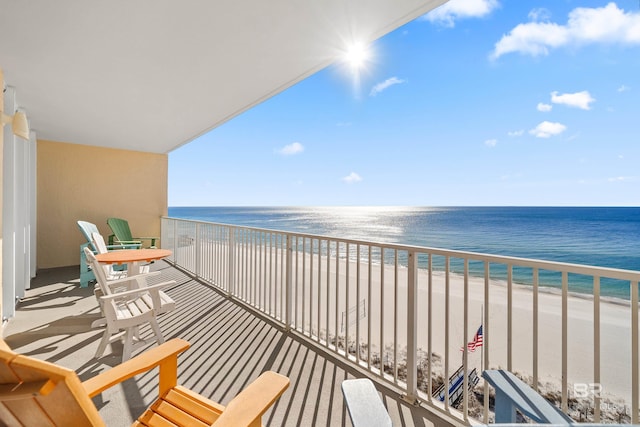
x: 102, y: 248
x: 127, y: 304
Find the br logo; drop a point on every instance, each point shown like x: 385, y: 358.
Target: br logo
x: 587, y: 389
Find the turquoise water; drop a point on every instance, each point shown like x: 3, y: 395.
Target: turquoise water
x: 600, y: 236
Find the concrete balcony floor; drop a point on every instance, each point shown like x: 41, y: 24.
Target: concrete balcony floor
x: 230, y: 346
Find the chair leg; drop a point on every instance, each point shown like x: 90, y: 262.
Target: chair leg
x: 128, y: 343
x: 156, y: 329
x: 103, y: 343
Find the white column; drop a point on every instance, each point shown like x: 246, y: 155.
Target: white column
x: 18, y: 211
x: 33, y: 185
x: 8, y: 213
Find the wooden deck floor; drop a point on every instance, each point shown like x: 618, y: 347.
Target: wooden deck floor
x: 231, y: 346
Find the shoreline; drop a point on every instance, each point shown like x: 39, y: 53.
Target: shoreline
x: 541, y: 287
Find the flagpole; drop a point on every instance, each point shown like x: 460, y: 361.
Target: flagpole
x: 482, y: 349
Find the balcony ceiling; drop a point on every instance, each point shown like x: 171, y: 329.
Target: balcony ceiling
x: 152, y: 75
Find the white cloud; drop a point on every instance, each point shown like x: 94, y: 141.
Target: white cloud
x: 516, y: 133
x: 385, y: 85
x: 291, y: 149
x: 540, y: 14
x: 533, y: 39
x: 624, y: 88
x: 453, y: 10
x: 544, y: 107
x: 578, y: 99
x: 352, y: 177
x: 491, y: 142
x: 547, y: 129
x: 607, y: 24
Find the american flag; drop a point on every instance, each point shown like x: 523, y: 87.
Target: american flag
x: 475, y: 342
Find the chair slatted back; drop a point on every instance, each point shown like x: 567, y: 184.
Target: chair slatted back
x: 100, y: 271
x: 88, y: 228
x: 38, y: 393
x: 121, y: 230
x: 99, y: 243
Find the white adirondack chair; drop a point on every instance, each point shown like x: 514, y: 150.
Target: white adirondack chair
x: 127, y: 304
x: 166, y: 303
x: 112, y: 274
x: 102, y: 248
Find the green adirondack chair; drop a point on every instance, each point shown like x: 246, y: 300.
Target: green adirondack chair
x: 122, y: 234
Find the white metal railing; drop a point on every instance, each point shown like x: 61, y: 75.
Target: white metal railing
x: 421, y: 305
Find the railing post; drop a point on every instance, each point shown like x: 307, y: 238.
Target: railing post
x: 412, y: 332
x: 174, y: 239
x: 198, y: 251
x: 635, y: 360
x: 289, y: 284
x: 231, y: 260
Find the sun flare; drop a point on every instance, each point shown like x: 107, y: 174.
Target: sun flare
x: 356, y: 55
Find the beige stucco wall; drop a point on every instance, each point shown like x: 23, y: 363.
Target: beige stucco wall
x: 80, y: 182
x: 1, y: 207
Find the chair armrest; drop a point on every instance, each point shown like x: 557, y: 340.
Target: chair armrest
x: 128, y: 283
x: 364, y: 404
x: 126, y: 242
x: 114, y: 242
x: 143, y: 289
x: 512, y: 393
x: 140, y: 278
x: 251, y: 403
x: 165, y: 356
x: 119, y: 247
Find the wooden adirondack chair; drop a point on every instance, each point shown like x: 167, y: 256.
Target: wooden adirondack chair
x: 127, y: 304
x: 35, y: 392
x: 122, y: 233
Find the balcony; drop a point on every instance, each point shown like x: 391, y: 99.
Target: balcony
x: 230, y: 347
x: 320, y: 309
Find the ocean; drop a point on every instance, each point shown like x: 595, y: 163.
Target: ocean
x: 600, y: 236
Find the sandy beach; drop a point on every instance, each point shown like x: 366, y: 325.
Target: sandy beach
x: 615, y: 321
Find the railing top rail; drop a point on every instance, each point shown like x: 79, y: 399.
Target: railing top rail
x: 589, y: 270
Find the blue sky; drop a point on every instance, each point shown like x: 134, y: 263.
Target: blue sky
x: 480, y: 102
